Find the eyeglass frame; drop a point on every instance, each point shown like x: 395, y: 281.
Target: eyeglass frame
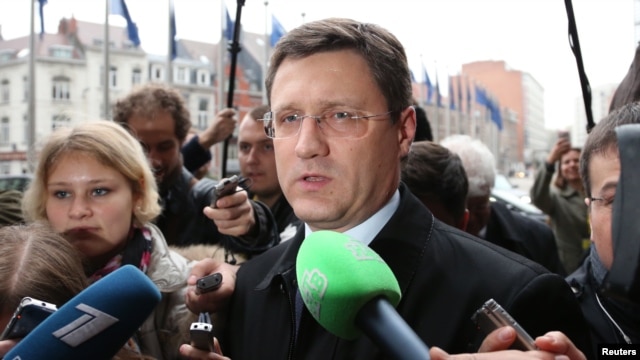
x: 604, y: 201
x: 269, y: 122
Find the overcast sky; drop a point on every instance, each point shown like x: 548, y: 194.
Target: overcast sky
x: 530, y: 35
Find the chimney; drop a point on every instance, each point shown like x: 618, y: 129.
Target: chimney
x: 62, y: 26
x: 73, y: 25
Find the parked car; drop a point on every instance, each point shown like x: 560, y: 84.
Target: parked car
x: 514, y: 203
x: 15, y: 182
x: 502, y: 183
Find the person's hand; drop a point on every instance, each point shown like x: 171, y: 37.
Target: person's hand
x: 553, y: 345
x: 189, y: 352
x: 218, y: 299
x: 6, y: 346
x: 233, y: 214
x: 561, y: 146
x: 220, y: 128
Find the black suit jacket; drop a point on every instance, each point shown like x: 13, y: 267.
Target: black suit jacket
x: 444, y: 275
x: 527, y: 237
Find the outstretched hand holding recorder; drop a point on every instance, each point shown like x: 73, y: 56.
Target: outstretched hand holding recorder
x: 492, y: 316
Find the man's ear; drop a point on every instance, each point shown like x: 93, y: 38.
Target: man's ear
x: 406, y: 130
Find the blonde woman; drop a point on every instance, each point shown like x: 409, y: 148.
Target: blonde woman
x: 94, y: 186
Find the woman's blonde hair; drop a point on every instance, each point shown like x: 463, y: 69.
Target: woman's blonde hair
x: 108, y: 143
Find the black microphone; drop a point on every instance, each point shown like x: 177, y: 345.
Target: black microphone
x: 348, y: 288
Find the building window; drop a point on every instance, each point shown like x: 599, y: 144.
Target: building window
x: 62, y: 52
x: 25, y: 127
x: 136, y: 77
x: 203, y: 113
x: 113, y: 76
x: 5, y: 91
x: 59, y: 120
x: 4, y: 131
x: 182, y: 75
x: 25, y: 87
x: 60, y: 88
x: 6, y: 55
x: 157, y: 73
x: 203, y: 78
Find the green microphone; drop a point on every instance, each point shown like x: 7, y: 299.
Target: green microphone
x: 349, y: 289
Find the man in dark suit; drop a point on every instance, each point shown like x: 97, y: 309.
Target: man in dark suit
x: 342, y: 121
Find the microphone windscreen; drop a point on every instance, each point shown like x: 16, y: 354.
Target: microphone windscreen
x: 337, y: 275
x: 96, y: 323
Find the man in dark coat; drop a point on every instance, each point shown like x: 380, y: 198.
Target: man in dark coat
x: 342, y: 121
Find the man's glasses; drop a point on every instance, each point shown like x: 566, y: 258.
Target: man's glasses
x: 282, y: 125
x: 606, y: 203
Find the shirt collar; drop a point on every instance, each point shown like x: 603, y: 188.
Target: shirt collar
x: 368, y: 230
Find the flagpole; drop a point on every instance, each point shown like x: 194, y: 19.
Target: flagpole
x: 267, y: 45
x: 107, y: 68
x: 169, y: 78
x: 436, y: 132
x: 31, y: 153
x: 420, y: 93
x: 222, y: 48
x: 447, y: 125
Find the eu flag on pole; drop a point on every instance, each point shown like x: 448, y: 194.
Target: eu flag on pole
x: 427, y: 82
x: 481, y: 96
x: 228, y: 30
x: 438, y: 96
x: 459, y: 93
x: 452, y: 103
x: 42, y: 4
x: 496, y: 115
x: 277, y: 30
x: 119, y: 7
x: 468, y: 98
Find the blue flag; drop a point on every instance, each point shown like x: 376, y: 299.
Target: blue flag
x: 459, y: 93
x: 438, y: 96
x: 496, y: 115
x: 452, y: 102
x: 42, y: 4
x: 481, y: 96
x: 228, y: 31
x: 468, y: 98
x: 492, y: 106
x: 277, y: 30
x: 427, y: 82
x: 119, y: 7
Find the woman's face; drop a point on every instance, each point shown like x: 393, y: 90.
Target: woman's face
x: 90, y: 204
x: 569, y: 165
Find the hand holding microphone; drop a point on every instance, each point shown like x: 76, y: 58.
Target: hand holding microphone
x: 96, y: 323
x: 348, y: 288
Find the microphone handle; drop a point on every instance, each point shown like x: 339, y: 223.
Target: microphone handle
x: 380, y: 321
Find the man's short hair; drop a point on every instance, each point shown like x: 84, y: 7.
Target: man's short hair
x: 435, y: 174
x: 381, y: 50
x: 603, y: 139
x: 150, y: 99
